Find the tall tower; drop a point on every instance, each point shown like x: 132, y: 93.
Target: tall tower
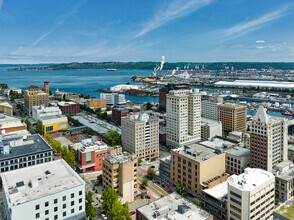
x: 46, y: 87
x: 268, y: 140
x: 183, y: 117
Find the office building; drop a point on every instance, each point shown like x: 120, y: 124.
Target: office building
x: 119, y: 113
x: 120, y: 171
x: 251, y: 195
x: 268, y: 140
x: 194, y: 164
x: 210, y: 128
x: 6, y: 108
x: 240, y: 137
x: 17, y: 152
x: 237, y: 159
x: 163, y: 91
x: 12, y: 126
x: 284, y: 173
x: 51, y: 118
x: 209, y: 108
x: 59, y: 95
x: 69, y: 108
x: 113, y: 98
x: 140, y: 136
x: 52, y: 190
x: 165, y: 168
x: 89, y: 154
x: 96, y: 103
x: 35, y: 96
x: 291, y: 152
x: 233, y: 117
x: 172, y: 206
x: 183, y: 117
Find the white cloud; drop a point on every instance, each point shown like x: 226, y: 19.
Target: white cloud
x: 258, y: 23
x: 176, y: 9
x: 260, y: 47
x: 1, y: 4
x: 260, y: 41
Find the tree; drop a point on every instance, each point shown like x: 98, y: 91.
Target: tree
x: 69, y: 156
x: 89, y: 131
x: 90, y: 209
x: 196, y: 201
x: 108, y: 109
x: 28, y: 124
x: 144, y: 183
x: 116, y: 122
x: 109, y: 197
x: 113, y: 138
x: 148, y: 106
x: 140, y: 160
x: 180, y: 189
x: 39, y: 127
x: 151, y: 172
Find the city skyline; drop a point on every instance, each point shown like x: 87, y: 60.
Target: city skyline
x: 191, y: 31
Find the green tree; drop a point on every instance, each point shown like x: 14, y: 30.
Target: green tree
x: 196, y: 201
x: 140, y: 160
x: 113, y: 138
x: 69, y: 156
x: 39, y: 127
x: 109, y: 197
x: 89, y: 131
x: 29, y: 125
x: 90, y: 209
x: 180, y: 189
x: 144, y: 183
x: 148, y: 106
x: 108, y: 109
x: 116, y: 122
x: 151, y: 172
x: 99, y: 179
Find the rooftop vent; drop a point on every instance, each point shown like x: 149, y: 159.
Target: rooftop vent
x: 47, y: 172
x: 19, y: 184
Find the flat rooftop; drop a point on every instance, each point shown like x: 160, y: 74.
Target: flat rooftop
x: 34, y: 182
x: 33, y: 144
x: 6, y: 118
x: 220, y: 191
x: 169, y: 205
x: 217, y: 143
x: 124, y: 157
x: 250, y: 179
x: 239, y: 151
x: 66, y: 103
x: 196, y: 152
x: 210, y: 122
x: 90, y: 144
x: 286, y: 209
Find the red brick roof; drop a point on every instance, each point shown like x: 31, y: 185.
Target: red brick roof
x: 33, y: 87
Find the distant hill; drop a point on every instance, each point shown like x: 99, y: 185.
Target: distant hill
x: 151, y: 65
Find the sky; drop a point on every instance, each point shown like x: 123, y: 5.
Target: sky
x: 63, y: 31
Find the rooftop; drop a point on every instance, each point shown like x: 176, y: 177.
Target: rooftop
x: 124, y: 157
x: 263, y: 117
x: 210, y: 122
x: 284, y: 170
x: 66, y: 103
x: 6, y: 118
x: 220, y: 191
x: 173, y: 206
x: 250, y: 179
x: 33, y: 144
x: 218, y: 144
x: 166, y: 159
x: 34, y: 182
x: 232, y: 106
x: 239, y: 151
x: 196, y: 152
x: 90, y: 144
x: 286, y: 209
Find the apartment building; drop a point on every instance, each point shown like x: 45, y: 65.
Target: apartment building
x: 209, y: 108
x: 17, y: 152
x: 268, y: 140
x: 194, y: 164
x: 183, y: 117
x: 90, y: 154
x: 140, y: 136
x: 210, y: 128
x: 35, y: 96
x: 96, y: 103
x: 6, y: 108
x: 120, y: 171
x: 113, y: 98
x: 47, y: 191
x: 69, y: 108
x: 119, y: 113
x: 284, y: 173
x: 233, y: 117
x: 251, y: 195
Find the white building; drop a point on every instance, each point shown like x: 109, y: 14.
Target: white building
x: 7, y: 91
x: 209, y: 109
x: 251, y: 195
x: 47, y: 191
x: 183, y: 117
x: 210, y: 128
x: 269, y: 140
x: 40, y: 111
x: 113, y: 98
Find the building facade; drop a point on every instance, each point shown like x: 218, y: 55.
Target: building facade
x: 210, y: 128
x: 192, y: 165
x: 233, y: 117
x: 35, y: 96
x: 209, y: 108
x: 69, y: 108
x: 6, y: 108
x: 89, y: 154
x: 113, y: 98
x: 251, y: 195
x: 119, y: 113
x: 268, y: 140
x: 140, y: 136
x: 47, y: 191
x: 12, y: 126
x: 120, y: 172
x: 237, y: 159
x: 96, y: 103
x: 165, y: 168
x: 183, y: 117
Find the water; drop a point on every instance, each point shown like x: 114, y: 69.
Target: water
x: 273, y: 113
x: 77, y: 81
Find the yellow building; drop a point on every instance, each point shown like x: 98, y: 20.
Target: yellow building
x: 35, y: 96
x: 6, y: 108
x: 96, y: 103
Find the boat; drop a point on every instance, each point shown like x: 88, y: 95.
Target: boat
x: 111, y: 69
x: 288, y: 113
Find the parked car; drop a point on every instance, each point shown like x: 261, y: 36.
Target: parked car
x: 132, y: 213
x: 104, y: 217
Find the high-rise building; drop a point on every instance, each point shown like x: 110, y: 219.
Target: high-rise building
x: 183, y: 117
x: 35, y: 96
x: 233, y: 117
x: 268, y: 140
x: 51, y: 190
x: 163, y: 91
x: 209, y: 108
x: 119, y: 113
x: 251, y: 195
x: 120, y: 172
x: 140, y: 136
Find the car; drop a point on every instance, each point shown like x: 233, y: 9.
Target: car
x: 152, y: 166
x: 104, y: 217
x: 132, y: 213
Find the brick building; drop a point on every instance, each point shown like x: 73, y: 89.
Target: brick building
x: 69, y: 108
x: 118, y: 113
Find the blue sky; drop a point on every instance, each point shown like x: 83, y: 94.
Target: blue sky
x: 57, y: 31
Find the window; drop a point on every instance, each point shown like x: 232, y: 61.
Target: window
x: 72, y: 211
x: 63, y: 198
x: 49, y: 128
x: 38, y: 215
x: 55, y: 201
x: 80, y: 208
x: 46, y: 204
x: 80, y: 200
x: 72, y: 195
x: 46, y: 212
x: 37, y: 207
x: 64, y: 206
x: 64, y: 214
x: 80, y: 192
x: 55, y: 209
x: 72, y: 203
x: 55, y: 217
